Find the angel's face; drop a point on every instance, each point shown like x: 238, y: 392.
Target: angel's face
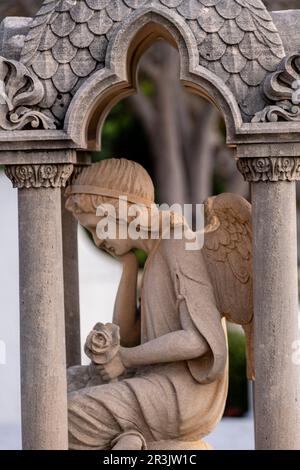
x: 112, y: 245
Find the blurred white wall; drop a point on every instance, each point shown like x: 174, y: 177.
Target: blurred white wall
x: 9, y: 300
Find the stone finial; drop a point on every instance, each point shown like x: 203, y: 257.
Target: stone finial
x: 39, y: 176
x: 282, y: 89
x: 269, y: 169
x: 20, y: 91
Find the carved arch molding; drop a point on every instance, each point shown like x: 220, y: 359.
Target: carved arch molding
x: 69, y: 41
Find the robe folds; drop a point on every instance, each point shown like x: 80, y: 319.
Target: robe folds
x: 182, y: 400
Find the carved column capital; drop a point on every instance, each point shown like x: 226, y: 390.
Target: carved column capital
x: 270, y: 169
x: 39, y: 176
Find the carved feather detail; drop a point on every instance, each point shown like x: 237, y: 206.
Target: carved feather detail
x: 228, y: 255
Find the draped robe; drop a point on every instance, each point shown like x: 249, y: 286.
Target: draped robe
x: 182, y: 400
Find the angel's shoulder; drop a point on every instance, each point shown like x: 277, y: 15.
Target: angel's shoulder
x: 182, y: 260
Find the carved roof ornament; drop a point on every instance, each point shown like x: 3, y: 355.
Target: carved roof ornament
x: 282, y: 89
x: 68, y: 41
x: 20, y: 91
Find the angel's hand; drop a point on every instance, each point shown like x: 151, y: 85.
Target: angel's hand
x: 112, y: 370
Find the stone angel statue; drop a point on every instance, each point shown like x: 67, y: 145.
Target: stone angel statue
x: 158, y: 375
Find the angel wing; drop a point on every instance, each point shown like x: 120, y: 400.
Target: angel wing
x: 228, y: 255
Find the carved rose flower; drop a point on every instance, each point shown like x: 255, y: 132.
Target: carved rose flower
x: 103, y: 342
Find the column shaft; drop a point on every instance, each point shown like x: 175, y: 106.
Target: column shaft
x: 71, y: 286
x: 277, y: 385
x: 43, y: 359
x: 42, y: 321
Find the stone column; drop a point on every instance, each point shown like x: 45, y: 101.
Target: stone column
x: 43, y: 356
x: 71, y: 280
x: 277, y: 384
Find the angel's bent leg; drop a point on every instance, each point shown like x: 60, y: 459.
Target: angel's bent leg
x: 100, y: 416
x: 129, y: 441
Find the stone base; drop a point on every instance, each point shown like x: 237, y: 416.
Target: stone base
x: 179, y: 445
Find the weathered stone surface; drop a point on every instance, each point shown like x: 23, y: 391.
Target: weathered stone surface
x: 20, y: 91
x: 62, y: 101
x: 45, y: 66
x: 50, y: 94
x: 71, y: 277
x: 216, y: 24
x: 231, y: 33
x: 64, y: 79
x: 253, y: 73
x: 98, y: 48
x: 97, y: 4
x: 232, y: 60
x: 277, y: 379
x: 287, y: 23
x: 237, y: 41
x: 83, y: 63
x: 63, y: 51
x: 117, y: 10
x: 81, y: 36
x: 212, y: 48
x: 189, y: 9
x: 228, y: 9
x: 39, y: 176
x: 42, y: 326
x: 100, y: 23
x: 282, y: 89
x: 269, y: 169
x: 210, y: 20
x: 48, y: 41
x: 63, y: 25
x: 12, y: 36
x: 81, y: 13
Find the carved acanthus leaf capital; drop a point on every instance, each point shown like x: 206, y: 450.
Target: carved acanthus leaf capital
x: 39, y: 176
x: 282, y: 90
x: 270, y: 169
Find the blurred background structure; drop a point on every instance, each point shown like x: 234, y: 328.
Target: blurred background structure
x: 180, y: 139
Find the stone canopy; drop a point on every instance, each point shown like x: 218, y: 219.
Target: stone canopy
x: 61, y: 73
x: 238, y: 42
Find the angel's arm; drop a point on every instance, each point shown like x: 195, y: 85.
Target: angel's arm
x: 181, y: 345
x: 125, y: 309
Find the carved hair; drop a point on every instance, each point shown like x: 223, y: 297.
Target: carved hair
x: 106, y: 181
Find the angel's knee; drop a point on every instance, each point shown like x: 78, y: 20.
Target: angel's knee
x: 130, y: 440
